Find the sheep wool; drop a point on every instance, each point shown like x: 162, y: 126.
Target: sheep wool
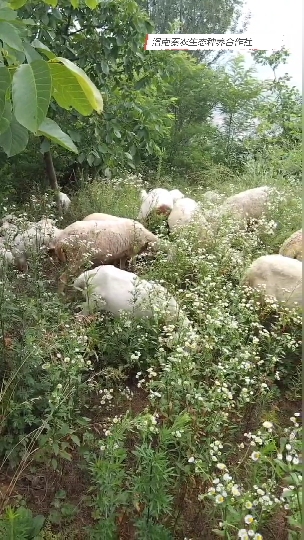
x: 293, y: 246
x: 280, y: 277
x: 184, y: 211
x: 35, y: 237
x: 65, y: 201
x: 250, y: 204
x: 107, y: 288
x: 158, y: 200
x: 101, y: 242
x: 98, y: 216
x: 176, y: 194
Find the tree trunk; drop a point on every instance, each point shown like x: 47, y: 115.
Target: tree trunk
x: 51, y: 174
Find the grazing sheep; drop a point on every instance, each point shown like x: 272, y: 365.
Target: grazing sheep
x: 100, y: 242
x: 35, y: 237
x: 111, y: 289
x: 184, y: 210
x: 250, y: 204
x: 158, y: 200
x: 65, y: 201
x: 292, y: 247
x: 176, y: 194
x: 281, y: 277
x: 98, y: 216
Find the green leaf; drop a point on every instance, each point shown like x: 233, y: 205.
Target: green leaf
x: 7, y: 14
x: 52, y: 3
x: 31, y: 92
x: 75, y: 3
x: 120, y: 40
x: 128, y: 156
x: 75, y: 439
x: 5, y: 81
x: 67, y: 90
x: 45, y: 146
x: 105, y: 67
x: 52, y: 131
x: 6, y: 117
x: 90, y: 159
x: 16, y: 4
x: 65, y: 455
x: 9, y: 35
x: 42, y: 48
x: 142, y: 82
x: 31, y: 53
x: 14, y: 139
x: 92, y: 4
x: 91, y: 92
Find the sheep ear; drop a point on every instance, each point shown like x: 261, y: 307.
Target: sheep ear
x: 143, y: 194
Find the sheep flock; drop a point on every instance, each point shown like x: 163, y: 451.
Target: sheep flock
x: 101, y: 240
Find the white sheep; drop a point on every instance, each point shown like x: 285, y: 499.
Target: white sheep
x: 99, y: 216
x: 280, y: 277
x: 249, y: 204
x: 107, y: 288
x: 100, y: 242
x: 38, y: 235
x: 176, y: 195
x: 158, y: 200
x: 293, y: 246
x: 184, y: 212
x: 65, y: 201
x: 111, y: 289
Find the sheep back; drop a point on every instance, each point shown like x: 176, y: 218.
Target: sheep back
x: 293, y: 246
x: 280, y: 276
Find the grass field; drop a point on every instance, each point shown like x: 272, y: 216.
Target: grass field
x: 109, y: 434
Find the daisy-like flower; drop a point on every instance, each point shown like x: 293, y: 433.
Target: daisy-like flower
x: 248, y: 519
x: 248, y: 505
x: 258, y: 536
x: 267, y: 425
x: 219, y: 499
x: 255, y: 456
x: 243, y: 534
x: 221, y: 466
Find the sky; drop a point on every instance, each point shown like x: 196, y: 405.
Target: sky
x: 280, y: 17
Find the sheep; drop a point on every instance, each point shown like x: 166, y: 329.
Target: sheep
x: 176, y: 195
x: 158, y: 200
x: 36, y: 236
x: 248, y: 204
x: 102, y: 242
x: 107, y: 288
x: 184, y: 211
x: 292, y: 247
x: 64, y: 200
x: 281, y: 277
x: 116, y: 290
x: 97, y: 216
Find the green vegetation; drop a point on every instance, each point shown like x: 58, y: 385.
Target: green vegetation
x: 106, y: 432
